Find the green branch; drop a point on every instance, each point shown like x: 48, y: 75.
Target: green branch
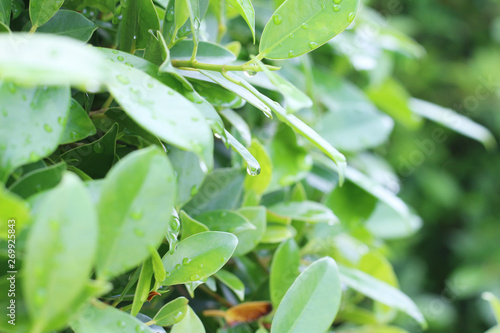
x: 194, y: 64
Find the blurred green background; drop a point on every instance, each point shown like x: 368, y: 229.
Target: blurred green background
x: 455, y: 188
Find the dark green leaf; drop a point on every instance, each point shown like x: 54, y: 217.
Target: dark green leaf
x: 232, y: 282
x: 5, y: 6
x: 79, y: 126
x: 96, y: 158
x: 138, y: 17
x: 38, y: 180
x: 207, y: 52
x: 71, y: 24
x: 307, y: 211
x: 189, y: 174
x: 190, y: 226
x: 12, y: 206
x: 245, y: 8
x: 42, y: 10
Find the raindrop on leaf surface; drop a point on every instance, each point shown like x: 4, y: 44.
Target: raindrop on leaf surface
x: 277, y: 19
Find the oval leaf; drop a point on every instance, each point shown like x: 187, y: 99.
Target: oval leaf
x: 135, y: 206
x: 199, y: 256
x: 284, y: 270
x: 172, y: 312
x: 312, y: 302
x: 298, y: 27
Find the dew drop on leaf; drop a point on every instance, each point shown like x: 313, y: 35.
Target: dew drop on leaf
x: 186, y: 261
x: 137, y: 214
x: 194, y: 277
x: 305, y: 26
x: 120, y: 58
x: 122, y: 79
x: 290, y: 54
x: 351, y: 16
x: 178, y: 317
x: 139, y: 329
x: 337, y: 1
x: 121, y: 323
x: 252, y: 171
x: 47, y: 128
x: 98, y: 147
x: 313, y: 45
x: 138, y: 232
x: 277, y: 19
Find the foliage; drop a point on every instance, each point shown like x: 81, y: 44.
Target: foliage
x: 153, y: 191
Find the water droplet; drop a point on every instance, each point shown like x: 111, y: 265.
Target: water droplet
x: 223, y: 260
x: 337, y: 1
x: 253, y: 171
x: 203, y: 167
x: 290, y: 54
x: 277, y: 19
x: 336, y: 8
x: 167, y: 274
x: 137, y: 214
x: 138, y: 232
x: 178, y: 317
x: 139, y: 329
x: 177, y: 266
x: 351, y: 16
x: 170, y: 92
x: 200, y: 266
x: 115, y: 52
x: 122, y: 79
x: 73, y: 135
x: 120, y: 58
x: 47, y: 128
x: 249, y: 73
x: 291, y: 36
x: 98, y: 147
x: 194, y: 190
x: 175, y: 224
x: 170, y: 14
x: 195, y: 118
x: 121, y: 323
x: 62, y: 121
x: 129, y: 64
x: 186, y: 261
x: 313, y: 45
x: 194, y: 277
x: 305, y: 26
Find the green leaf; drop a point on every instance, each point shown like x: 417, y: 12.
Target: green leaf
x: 32, y: 123
x: 224, y: 220
x: 44, y: 59
x: 185, y: 9
x: 198, y: 256
x: 312, y: 302
x: 221, y: 190
x: 217, y: 95
x: 12, y: 208
x: 207, y: 52
x: 277, y: 233
x: 42, y: 10
x: 387, y: 223
x: 232, y: 282
x: 172, y: 312
x: 143, y: 287
x: 381, y: 292
x: 5, y: 7
x: 38, y: 180
x: 453, y: 121
x: 392, y: 98
x: 190, y: 226
x: 298, y: 27
x: 260, y: 182
x: 291, y: 161
x: 494, y: 303
x: 106, y: 319
x: 138, y: 217
x: 245, y: 8
x: 189, y: 174
x: 284, y: 270
x: 351, y: 203
x: 155, y: 107
x: 249, y: 239
x: 307, y: 211
x: 106, y: 6
x: 96, y: 158
x: 78, y: 126
x: 71, y: 24
x: 159, y: 271
x: 60, y: 253
x: 189, y: 324
x: 138, y: 17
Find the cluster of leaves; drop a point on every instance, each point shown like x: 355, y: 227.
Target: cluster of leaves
x: 123, y: 165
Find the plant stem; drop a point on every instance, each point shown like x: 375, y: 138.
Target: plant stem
x: 194, y: 64
x: 216, y: 296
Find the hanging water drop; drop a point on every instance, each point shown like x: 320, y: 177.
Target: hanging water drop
x: 290, y: 54
x: 253, y: 171
x: 277, y: 19
x: 336, y: 8
x: 351, y: 16
x: 313, y: 45
x: 249, y: 73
